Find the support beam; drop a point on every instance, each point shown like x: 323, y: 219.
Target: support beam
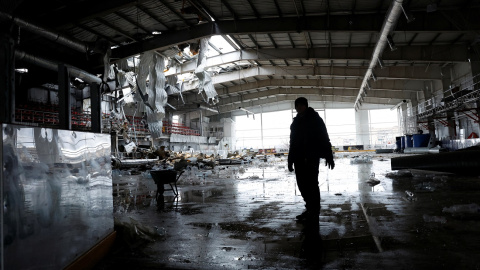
x: 7, y: 78
x: 151, y: 15
x: 388, y: 73
x: 362, y: 127
x: 171, y: 9
x: 328, y: 94
x: 118, y: 30
x: 96, y: 110
x: 386, y: 85
x: 230, y: 9
x: 263, y: 100
x: 452, y: 127
x: 132, y: 22
x: 417, y: 54
x: 64, y: 103
x: 335, y: 23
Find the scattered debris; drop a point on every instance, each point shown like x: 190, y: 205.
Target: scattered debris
x: 436, y: 219
x: 462, y: 209
x: 361, y: 159
x: 399, y: 174
x: 410, y: 195
x: 372, y: 181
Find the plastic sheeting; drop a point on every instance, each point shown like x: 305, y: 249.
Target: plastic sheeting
x: 152, y: 66
x: 205, y: 80
x: 172, y: 87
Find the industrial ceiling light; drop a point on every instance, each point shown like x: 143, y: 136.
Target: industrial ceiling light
x: 391, y: 43
x: 408, y: 15
x: 373, y: 77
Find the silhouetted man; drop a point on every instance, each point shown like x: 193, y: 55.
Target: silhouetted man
x: 309, y: 142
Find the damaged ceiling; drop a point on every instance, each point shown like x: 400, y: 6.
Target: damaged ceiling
x: 281, y: 49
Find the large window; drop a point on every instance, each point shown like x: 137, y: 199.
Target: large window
x: 383, y: 127
x: 276, y: 129
x: 248, y: 131
x: 275, y: 132
x: 341, y: 126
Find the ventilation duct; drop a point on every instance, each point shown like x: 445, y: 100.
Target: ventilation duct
x: 388, y: 25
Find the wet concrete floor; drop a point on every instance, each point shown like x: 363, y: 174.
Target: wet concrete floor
x: 419, y: 221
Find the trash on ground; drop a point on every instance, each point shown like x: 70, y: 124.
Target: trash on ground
x: 372, y: 181
x: 361, y: 159
x: 462, y: 209
x: 436, y: 219
x: 399, y: 174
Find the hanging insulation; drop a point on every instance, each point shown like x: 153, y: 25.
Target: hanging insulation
x: 172, y: 88
x: 157, y: 96
x: 205, y: 81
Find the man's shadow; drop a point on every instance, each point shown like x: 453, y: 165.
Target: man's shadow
x: 312, y: 248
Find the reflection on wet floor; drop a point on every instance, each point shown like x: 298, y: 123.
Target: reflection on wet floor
x: 418, y: 221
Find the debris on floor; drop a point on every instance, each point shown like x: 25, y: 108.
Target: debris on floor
x: 372, y: 181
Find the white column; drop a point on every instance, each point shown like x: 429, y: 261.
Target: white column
x: 362, y: 128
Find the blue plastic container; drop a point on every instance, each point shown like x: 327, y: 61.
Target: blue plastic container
x: 421, y: 140
x: 402, y: 142
x: 408, y: 141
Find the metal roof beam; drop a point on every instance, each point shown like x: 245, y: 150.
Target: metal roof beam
x: 381, y: 86
x: 118, y: 30
x: 230, y: 9
x: 151, y: 15
x: 253, y: 8
x: 326, y: 101
x: 132, y: 22
x: 366, y: 24
x: 347, y: 73
x: 418, y: 54
x: 171, y: 9
x: 347, y: 95
x: 279, y: 10
x: 272, y: 40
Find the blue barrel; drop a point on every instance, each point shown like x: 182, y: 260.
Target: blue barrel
x: 421, y: 140
x: 402, y: 142
x: 408, y: 141
x: 398, y: 143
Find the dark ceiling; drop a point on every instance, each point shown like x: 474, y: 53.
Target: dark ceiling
x: 314, y: 34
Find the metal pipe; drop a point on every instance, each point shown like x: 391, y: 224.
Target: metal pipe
x: 459, y: 162
x: 388, y: 26
x: 81, y: 74
x: 49, y: 34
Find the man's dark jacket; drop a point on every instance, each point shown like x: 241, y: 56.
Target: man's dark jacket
x: 309, y: 138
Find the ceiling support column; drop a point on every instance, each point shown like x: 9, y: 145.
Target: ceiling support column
x: 7, y: 78
x: 362, y: 128
x: 64, y: 102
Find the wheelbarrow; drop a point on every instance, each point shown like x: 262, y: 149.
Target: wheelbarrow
x: 163, y: 177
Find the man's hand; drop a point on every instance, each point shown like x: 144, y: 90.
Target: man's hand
x: 290, y: 166
x: 330, y: 163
